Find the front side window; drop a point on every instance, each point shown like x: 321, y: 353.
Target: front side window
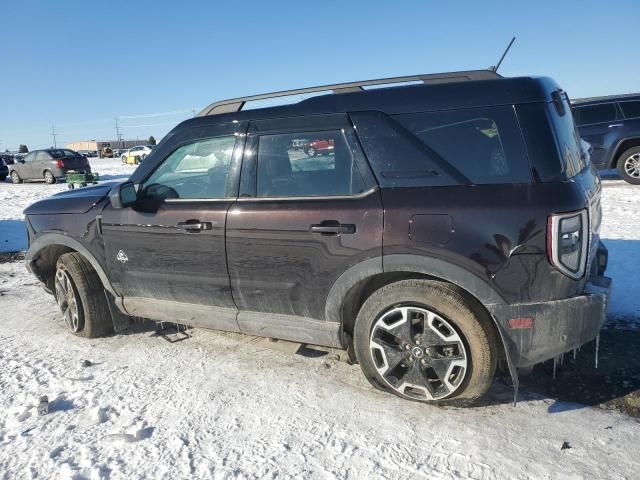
x: 308, y: 164
x: 484, y: 145
x: 605, y: 112
x: 198, y: 170
x: 631, y: 109
x: 31, y: 157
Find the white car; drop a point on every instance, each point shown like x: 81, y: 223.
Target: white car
x: 136, y: 154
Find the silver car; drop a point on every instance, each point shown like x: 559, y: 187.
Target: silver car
x: 49, y: 165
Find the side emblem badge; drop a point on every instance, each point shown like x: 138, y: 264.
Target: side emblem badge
x: 122, y: 257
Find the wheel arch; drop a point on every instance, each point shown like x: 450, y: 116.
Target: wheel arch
x: 622, y: 146
x: 44, y: 252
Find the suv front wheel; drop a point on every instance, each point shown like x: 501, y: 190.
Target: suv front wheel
x: 422, y: 340
x: 81, y: 298
x: 629, y: 165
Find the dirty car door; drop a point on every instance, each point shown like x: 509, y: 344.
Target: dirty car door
x: 166, y: 253
x: 300, y: 222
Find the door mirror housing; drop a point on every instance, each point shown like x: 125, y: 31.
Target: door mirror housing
x: 123, y: 195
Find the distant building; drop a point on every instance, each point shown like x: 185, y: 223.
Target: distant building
x: 99, y: 144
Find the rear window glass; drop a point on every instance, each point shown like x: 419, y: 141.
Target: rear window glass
x: 605, y: 112
x: 483, y: 144
x: 630, y: 109
x: 569, y: 146
x: 63, y: 153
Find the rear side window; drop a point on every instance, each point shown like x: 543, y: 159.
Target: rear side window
x: 482, y: 144
x: 605, y: 112
x: 630, y: 109
x: 307, y: 164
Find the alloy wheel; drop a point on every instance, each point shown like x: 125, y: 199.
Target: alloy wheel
x: 67, y: 299
x: 418, y: 353
x: 632, y: 166
x: 48, y: 177
x: 311, y: 152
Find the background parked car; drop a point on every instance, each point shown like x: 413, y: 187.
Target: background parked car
x: 7, y: 158
x: 320, y: 146
x: 4, y: 170
x: 106, y: 152
x: 49, y: 165
x: 612, y: 126
x: 136, y: 154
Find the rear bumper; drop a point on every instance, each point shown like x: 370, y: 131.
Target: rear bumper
x: 535, y: 332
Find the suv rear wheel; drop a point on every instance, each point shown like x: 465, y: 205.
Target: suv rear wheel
x: 421, y: 340
x: 629, y: 165
x: 80, y: 296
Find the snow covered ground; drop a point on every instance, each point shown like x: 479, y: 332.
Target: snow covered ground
x: 223, y: 406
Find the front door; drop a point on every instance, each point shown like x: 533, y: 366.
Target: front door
x: 166, y: 254
x: 302, y: 219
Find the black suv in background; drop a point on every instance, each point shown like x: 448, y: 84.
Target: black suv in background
x: 453, y: 227
x: 612, y: 126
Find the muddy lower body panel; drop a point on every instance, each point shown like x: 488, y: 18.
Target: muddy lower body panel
x: 535, y: 332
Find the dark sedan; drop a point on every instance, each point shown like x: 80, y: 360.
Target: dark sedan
x: 49, y: 165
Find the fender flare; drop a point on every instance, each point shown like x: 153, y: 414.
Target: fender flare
x: 617, y: 151
x: 435, y: 267
x: 49, y: 239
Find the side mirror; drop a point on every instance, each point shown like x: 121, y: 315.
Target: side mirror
x: 123, y: 195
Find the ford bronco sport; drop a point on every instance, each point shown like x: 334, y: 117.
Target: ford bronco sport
x: 453, y: 227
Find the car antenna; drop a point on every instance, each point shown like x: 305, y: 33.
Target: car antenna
x: 496, y: 67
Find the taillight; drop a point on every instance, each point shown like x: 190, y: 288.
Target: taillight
x: 59, y: 163
x: 568, y: 242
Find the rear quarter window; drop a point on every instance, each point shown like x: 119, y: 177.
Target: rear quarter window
x: 483, y: 144
x: 631, y: 109
x: 567, y: 139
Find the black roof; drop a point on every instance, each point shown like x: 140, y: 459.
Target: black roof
x: 606, y: 99
x: 404, y: 99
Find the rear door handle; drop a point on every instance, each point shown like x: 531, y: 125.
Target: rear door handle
x: 193, y: 226
x: 333, y: 227
x: 614, y: 125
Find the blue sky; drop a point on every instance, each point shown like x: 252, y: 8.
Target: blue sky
x: 79, y: 64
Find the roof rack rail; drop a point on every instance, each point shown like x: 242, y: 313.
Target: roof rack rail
x: 237, y: 104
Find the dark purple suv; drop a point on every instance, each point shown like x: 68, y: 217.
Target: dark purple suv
x: 452, y: 230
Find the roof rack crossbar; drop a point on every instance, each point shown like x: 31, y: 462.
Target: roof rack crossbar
x: 237, y: 104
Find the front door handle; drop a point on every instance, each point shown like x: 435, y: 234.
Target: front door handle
x: 193, y: 226
x: 614, y: 125
x: 333, y: 227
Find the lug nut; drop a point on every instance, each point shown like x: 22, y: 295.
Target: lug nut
x: 418, y: 342
x: 407, y: 346
x: 423, y: 362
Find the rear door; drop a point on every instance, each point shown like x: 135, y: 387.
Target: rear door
x: 25, y: 168
x: 599, y: 125
x: 42, y: 163
x: 300, y: 222
x: 166, y: 254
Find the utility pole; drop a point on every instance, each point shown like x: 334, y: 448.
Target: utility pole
x: 54, y: 135
x: 118, y: 133
x: 194, y: 113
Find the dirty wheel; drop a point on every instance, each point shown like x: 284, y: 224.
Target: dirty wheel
x: 80, y: 296
x: 311, y: 152
x: 422, y: 340
x: 15, y: 178
x: 124, y: 159
x: 629, y: 165
x: 49, y: 178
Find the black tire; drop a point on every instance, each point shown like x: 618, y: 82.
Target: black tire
x: 142, y: 157
x: 629, y: 165
x: 124, y: 159
x: 49, y: 178
x: 15, y: 177
x: 471, y: 327
x: 93, y: 316
x: 312, y: 152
